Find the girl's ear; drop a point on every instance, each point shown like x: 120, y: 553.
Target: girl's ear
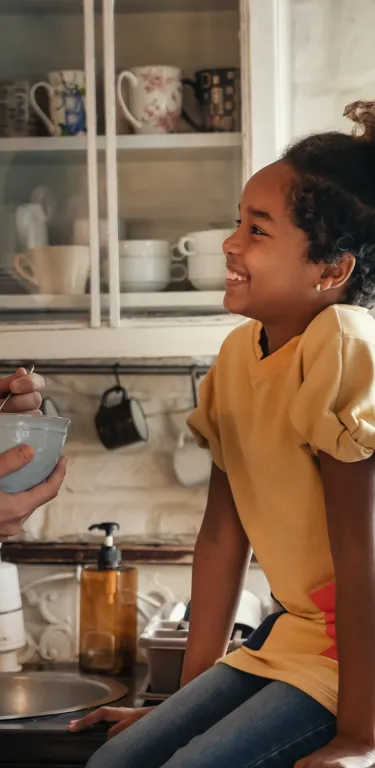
x: 336, y: 275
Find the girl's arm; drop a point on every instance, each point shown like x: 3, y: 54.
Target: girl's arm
x: 349, y: 491
x: 221, y: 561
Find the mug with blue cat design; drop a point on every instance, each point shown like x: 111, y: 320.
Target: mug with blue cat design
x: 67, y: 103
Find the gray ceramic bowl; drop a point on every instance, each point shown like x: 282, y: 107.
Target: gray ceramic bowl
x: 46, y: 435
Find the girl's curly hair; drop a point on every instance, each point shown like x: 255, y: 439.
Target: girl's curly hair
x: 333, y: 198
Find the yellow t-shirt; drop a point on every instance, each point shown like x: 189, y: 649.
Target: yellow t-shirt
x: 265, y: 421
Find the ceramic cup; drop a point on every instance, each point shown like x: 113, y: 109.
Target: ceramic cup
x: 191, y: 464
x: 217, y: 92
x: 205, y: 258
x: 205, y: 241
x: 120, y: 420
x: 58, y: 269
x: 207, y: 271
x: 148, y: 275
x: 146, y: 266
x: 155, y: 98
x: 67, y: 103
x: 150, y: 249
x: 17, y: 117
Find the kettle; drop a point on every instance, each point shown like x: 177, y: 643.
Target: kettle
x: 12, y: 630
x: 31, y: 226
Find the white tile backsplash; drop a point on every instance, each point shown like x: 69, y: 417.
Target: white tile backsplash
x: 135, y: 486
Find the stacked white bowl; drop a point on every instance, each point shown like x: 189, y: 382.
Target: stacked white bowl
x: 205, y: 258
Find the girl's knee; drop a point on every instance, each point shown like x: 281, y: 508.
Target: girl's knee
x: 107, y: 757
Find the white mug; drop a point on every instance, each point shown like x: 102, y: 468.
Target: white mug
x: 191, y: 464
x: 67, y: 101
x: 152, y: 249
x: 206, y: 241
x: 148, y: 274
x: 207, y: 271
x: 58, y: 269
x: 155, y: 98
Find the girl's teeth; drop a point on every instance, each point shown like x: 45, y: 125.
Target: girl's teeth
x: 235, y: 276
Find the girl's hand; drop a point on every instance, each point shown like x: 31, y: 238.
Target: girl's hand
x: 25, y: 388
x: 340, y: 753
x: 122, y: 716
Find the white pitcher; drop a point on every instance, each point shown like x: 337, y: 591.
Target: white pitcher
x: 31, y: 226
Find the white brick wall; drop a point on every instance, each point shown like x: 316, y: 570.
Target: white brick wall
x: 135, y: 486
x: 333, y: 61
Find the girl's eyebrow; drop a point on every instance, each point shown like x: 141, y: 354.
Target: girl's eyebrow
x: 259, y: 214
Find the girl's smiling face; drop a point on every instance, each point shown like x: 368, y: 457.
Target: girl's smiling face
x: 269, y: 276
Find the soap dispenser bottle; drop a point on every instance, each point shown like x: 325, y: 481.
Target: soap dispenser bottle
x: 108, y: 613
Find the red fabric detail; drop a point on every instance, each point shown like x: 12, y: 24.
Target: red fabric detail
x: 325, y: 600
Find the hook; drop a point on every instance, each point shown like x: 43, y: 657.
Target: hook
x: 194, y: 382
x: 117, y: 375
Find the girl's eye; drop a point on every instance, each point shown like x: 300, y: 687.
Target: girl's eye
x: 238, y: 222
x: 256, y: 231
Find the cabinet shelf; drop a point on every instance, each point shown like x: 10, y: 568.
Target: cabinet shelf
x: 162, y: 146
x: 122, y: 6
x: 181, y: 302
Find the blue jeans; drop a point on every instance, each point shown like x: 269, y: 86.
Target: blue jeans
x: 223, y: 719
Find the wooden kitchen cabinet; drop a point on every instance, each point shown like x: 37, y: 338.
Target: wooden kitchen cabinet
x: 146, y: 186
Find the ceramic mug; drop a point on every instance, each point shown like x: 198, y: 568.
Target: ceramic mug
x: 151, y: 249
x: 155, y: 98
x: 120, y: 420
x: 147, y: 275
x: 206, y: 241
x: 207, y: 271
x: 17, y: 117
x: 217, y: 92
x: 67, y: 100
x: 58, y: 269
x: 192, y: 465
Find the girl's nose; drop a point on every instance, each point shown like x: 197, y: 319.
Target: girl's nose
x: 232, y: 244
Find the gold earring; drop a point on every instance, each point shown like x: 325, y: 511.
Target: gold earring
x: 319, y: 287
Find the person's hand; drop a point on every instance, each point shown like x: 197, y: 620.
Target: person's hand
x: 122, y: 716
x: 340, y: 753
x: 25, y: 388
x: 15, y: 508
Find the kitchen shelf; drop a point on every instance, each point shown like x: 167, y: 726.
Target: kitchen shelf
x: 193, y: 336
x: 186, y: 146
x: 160, y: 146
x: 173, y: 301
x: 122, y: 6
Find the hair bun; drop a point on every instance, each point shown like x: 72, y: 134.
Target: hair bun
x: 362, y: 113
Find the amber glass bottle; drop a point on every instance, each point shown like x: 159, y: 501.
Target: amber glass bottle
x: 108, y: 615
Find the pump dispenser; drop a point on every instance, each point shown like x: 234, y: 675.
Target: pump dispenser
x: 108, y: 614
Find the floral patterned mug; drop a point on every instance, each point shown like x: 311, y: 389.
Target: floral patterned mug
x: 155, y: 98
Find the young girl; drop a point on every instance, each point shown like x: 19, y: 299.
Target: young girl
x: 288, y: 412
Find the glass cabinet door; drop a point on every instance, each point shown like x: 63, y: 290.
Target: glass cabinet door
x: 48, y: 191
x: 179, y: 142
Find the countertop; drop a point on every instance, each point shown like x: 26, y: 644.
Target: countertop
x: 46, y: 741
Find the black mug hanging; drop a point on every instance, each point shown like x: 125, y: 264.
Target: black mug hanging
x: 120, y: 420
x: 217, y: 92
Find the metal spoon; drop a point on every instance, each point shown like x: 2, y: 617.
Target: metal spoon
x: 29, y: 369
